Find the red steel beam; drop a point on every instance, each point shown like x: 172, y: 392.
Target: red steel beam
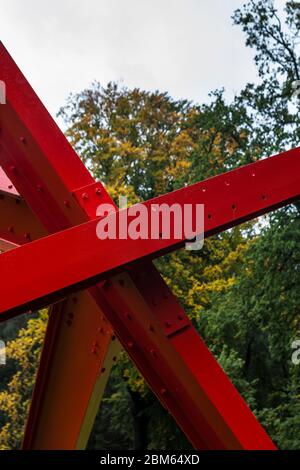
x: 19, y: 142
x: 179, y: 367
x: 46, y: 170
x: 277, y: 182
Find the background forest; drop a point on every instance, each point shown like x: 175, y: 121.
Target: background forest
x: 242, y: 289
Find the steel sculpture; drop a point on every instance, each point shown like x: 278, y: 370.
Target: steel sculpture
x: 103, y: 293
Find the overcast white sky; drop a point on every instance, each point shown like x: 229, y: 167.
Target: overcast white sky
x: 185, y: 47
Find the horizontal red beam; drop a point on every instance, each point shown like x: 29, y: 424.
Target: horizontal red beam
x: 82, y: 259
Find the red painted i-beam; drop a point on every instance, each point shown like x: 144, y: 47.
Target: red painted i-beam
x: 86, y: 260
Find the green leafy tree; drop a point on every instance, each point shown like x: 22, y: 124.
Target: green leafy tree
x: 23, y: 354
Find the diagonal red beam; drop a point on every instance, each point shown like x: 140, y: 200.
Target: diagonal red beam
x: 178, y: 366
x: 277, y: 182
x: 46, y: 170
